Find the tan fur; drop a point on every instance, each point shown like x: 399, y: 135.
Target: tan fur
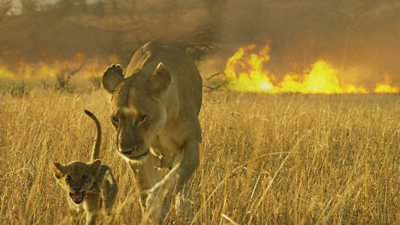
x: 154, y: 109
x: 93, y: 179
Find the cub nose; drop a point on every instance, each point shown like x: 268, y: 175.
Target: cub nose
x: 76, y: 189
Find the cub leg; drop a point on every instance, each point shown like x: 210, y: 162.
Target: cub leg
x: 92, y: 208
x: 74, y: 214
x: 91, y: 218
x: 109, y: 192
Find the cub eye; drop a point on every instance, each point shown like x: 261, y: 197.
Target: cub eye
x: 68, y: 178
x: 84, y: 177
x: 141, y: 119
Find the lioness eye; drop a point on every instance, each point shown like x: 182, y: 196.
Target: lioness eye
x: 68, y: 178
x: 141, y: 118
x: 115, y: 120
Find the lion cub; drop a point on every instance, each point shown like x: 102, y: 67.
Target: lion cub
x: 90, y: 186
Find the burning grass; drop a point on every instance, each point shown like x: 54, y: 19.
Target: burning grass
x: 276, y: 159
x: 245, y: 72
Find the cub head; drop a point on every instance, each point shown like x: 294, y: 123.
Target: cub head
x: 77, y: 178
x: 137, y: 112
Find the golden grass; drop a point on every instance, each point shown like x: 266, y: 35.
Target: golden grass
x: 273, y: 159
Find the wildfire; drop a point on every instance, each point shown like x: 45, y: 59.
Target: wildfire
x: 385, y: 87
x: 245, y: 72
x: 77, y: 65
x: 4, y: 71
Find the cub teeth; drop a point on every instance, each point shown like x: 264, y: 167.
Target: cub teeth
x: 77, y: 197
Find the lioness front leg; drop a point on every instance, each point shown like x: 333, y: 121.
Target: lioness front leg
x: 146, y: 176
x: 188, y: 164
x: 177, y: 178
x: 183, y: 204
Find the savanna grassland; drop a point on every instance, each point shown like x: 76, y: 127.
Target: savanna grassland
x: 265, y: 159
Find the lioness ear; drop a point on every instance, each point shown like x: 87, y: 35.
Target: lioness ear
x: 58, y: 170
x: 94, y: 166
x: 112, y: 77
x: 160, y: 80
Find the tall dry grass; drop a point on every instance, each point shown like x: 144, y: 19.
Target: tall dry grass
x: 274, y: 159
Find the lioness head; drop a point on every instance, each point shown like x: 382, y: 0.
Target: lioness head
x: 77, y: 178
x: 137, y: 113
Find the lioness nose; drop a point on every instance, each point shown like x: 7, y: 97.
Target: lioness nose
x: 126, y: 150
x: 129, y: 150
x: 128, y: 147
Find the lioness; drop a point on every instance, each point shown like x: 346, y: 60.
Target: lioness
x: 154, y: 109
x: 90, y: 184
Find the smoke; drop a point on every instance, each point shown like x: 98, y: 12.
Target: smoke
x: 359, y: 37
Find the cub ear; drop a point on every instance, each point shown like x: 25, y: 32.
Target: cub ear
x: 160, y: 80
x: 112, y: 77
x: 94, y: 166
x: 58, y: 169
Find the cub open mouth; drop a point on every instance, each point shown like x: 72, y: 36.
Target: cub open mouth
x: 77, y: 197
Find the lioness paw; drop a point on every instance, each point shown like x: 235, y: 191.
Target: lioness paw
x: 152, y: 196
x: 157, y: 194
x: 184, y: 207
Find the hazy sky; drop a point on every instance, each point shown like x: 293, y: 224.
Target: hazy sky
x: 358, y: 37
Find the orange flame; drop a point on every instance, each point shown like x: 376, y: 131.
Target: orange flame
x: 385, y: 87
x: 245, y: 72
x: 4, y: 71
x: 80, y: 64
